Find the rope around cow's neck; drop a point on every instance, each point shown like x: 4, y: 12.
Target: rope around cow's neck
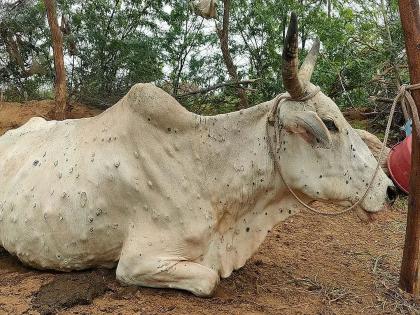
x: 403, y: 93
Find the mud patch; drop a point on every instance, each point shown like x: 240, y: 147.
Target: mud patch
x: 68, y: 290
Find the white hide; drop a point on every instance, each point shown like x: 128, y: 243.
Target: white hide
x: 375, y: 146
x: 174, y: 199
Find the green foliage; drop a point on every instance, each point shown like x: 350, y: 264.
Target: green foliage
x: 121, y: 42
x: 116, y: 45
x: 23, y: 40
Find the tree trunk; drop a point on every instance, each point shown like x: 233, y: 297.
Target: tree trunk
x: 231, y: 68
x: 60, y: 71
x: 410, y: 265
x: 329, y: 8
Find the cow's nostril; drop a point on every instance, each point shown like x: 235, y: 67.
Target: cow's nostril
x: 391, y: 193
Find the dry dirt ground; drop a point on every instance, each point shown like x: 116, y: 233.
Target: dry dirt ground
x: 309, y: 264
x: 13, y: 115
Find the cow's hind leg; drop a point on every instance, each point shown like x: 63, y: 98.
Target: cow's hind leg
x: 167, y: 272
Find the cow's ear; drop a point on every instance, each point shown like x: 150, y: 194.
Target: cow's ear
x: 309, y: 126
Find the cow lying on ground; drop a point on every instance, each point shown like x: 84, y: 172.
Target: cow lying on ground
x: 171, y: 198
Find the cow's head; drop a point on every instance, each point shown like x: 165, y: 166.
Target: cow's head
x: 322, y: 156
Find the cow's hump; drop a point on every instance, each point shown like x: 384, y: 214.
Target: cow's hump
x: 155, y: 105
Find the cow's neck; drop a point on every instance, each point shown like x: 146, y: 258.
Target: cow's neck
x: 236, y: 161
x: 247, y: 195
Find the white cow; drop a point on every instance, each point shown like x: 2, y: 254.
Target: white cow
x: 171, y: 198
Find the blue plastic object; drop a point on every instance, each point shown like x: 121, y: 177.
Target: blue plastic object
x: 407, y: 128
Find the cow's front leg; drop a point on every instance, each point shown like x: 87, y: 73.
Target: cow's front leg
x: 164, y: 265
x: 168, y: 272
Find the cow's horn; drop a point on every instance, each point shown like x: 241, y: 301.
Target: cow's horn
x: 290, y: 65
x: 308, y: 65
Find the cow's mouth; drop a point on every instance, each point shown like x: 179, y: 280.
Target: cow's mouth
x: 368, y: 210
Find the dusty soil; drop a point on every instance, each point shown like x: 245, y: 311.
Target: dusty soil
x: 13, y: 115
x: 309, y: 264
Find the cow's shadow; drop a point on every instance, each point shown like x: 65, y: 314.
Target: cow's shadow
x: 10, y: 264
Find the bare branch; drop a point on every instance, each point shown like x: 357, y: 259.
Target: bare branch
x: 218, y: 86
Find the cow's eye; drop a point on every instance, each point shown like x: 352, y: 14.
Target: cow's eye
x: 330, y: 124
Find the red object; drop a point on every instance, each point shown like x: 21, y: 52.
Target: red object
x: 399, y: 163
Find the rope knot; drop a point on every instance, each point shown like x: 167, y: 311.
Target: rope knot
x: 271, y: 119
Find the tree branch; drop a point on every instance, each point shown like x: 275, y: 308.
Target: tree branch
x: 381, y: 99
x: 218, y: 86
x: 224, y: 45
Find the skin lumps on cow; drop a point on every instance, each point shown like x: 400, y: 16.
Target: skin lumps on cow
x: 171, y: 198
